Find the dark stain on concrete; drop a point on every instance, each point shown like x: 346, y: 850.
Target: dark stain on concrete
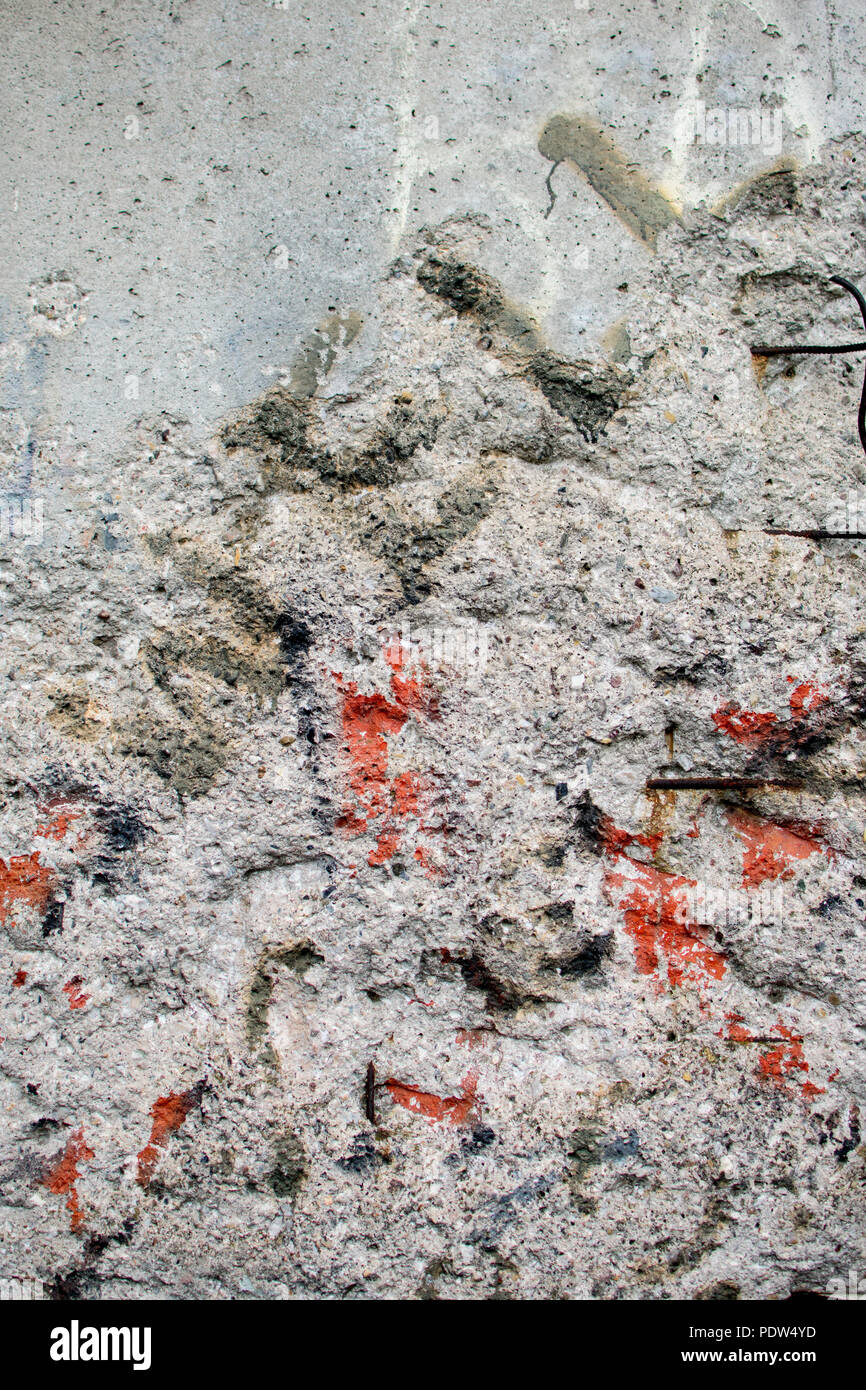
x: 318, y: 352
x: 186, y: 746
x: 622, y: 1148
x: 294, y: 636
x: 84, y: 1281
x: 471, y: 291
x: 588, y: 396
x: 723, y: 1290
x: 407, y: 548
x: 582, y: 392
x: 585, y: 962
x: 166, y: 653
x: 381, y: 462
x: 298, y: 958
x: 477, y: 975
x: 251, y: 607
x: 503, y: 993
x: 619, y: 181
x: 290, y: 1167
x: 584, y: 1152
x: 363, y: 1157
x: 186, y: 755
x: 120, y: 824
x: 52, y: 917
x: 588, y: 823
x: 257, y: 645
x: 769, y: 194
x: 707, y: 1236
x: 552, y: 854
x: 278, y: 427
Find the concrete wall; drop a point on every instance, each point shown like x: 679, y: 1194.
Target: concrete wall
x: 432, y: 853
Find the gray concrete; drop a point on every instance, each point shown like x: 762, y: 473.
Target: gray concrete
x: 411, y: 502
x: 160, y: 153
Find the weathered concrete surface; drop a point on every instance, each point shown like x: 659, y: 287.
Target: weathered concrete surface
x: 350, y: 947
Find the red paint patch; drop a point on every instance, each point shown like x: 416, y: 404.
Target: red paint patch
x: 786, y: 1062
x: 655, y: 913
x: 615, y: 841
x: 423, y: 858
x: 784, y: 1065
x: 72, y: 990
x: 771, y: 849
x: 806, y: 698
x: 449, y: 1110
x: 168, y: 1114
x: 19, y: 978
x: 56, y: 827
x: 24, y: 880
x: 472, y: 1037
x: 655, y: 908
x: 368, y: 721
x: 754, y: 728
x: 62, y: 1177
x: 735, y: 1030
x: 744, y: 725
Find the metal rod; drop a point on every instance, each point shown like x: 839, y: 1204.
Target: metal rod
x: 719, y: 784
x: 765, y: 351
x: 861, y: 304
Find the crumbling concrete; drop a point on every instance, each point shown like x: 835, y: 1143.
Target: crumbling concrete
x: 433, y: 837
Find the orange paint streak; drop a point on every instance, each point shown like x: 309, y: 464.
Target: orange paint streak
x: 18, y: 978
x: 168, y: 1114
x: 62, y: 1176
x: 72, y: 990
x: 770, y: 849
x: 430, y: 869
x: 386, y: 847
x: 778, y: 1064
x: 450, y: 1110
x: 368, y: 721
x: 408, y: 791
x: 655, y: 908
